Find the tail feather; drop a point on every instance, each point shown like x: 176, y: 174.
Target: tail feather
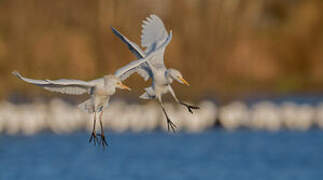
x: 87, y: 106
x: 149, y: 94
x: 145, y: 96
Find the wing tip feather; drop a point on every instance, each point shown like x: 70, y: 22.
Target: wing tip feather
x: 17, y: 74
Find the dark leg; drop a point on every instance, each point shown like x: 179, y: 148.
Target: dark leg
x: 93, y: 134
x: 103, y: 140
x: 189, y: 107
x: 169, y: 122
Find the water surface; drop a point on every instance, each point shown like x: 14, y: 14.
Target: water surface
x: 215, y: 154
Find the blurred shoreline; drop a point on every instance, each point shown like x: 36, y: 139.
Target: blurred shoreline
x: 59, y: 116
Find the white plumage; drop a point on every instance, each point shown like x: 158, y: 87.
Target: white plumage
x: 154, y: 33
x: 65, y: 86
x: 155, y: 38
x: 99, y: 90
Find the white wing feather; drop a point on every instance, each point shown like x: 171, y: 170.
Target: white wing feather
x: 157, y: 54
x: 133, y: 47
x: 155, y: 37
x: 153, y: 32
x: 125, y: 71
x: 143, y: 69
x: 151, y: 59
x: 65, y: 86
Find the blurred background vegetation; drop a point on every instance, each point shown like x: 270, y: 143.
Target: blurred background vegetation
x: 224, y: 48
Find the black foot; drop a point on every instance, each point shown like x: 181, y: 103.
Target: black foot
x: 171, y: 125
x: 103, y: 140
x: 189, y: 107
x: 94, y: 138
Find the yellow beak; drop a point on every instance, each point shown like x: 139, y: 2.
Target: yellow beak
x: 122, y: 86
x: 184, y: 81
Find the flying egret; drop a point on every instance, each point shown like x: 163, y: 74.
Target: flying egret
x: 155, y: 38
x: 99, y: 90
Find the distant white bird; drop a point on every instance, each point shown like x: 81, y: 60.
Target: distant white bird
x: 155, y: 38
x: 99, y: 90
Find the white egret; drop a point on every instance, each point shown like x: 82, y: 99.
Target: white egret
x: 99, y: 90
x: 155, y: 38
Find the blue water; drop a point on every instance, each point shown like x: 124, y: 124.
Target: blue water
x: 215, y: 154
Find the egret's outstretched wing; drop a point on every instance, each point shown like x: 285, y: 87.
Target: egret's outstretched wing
x: 124, y: 72
x: 65, y: 86
x: 154, y: 36
x: 143, y: 69
x: 133, y: 47
x: 153, y: 31
x: 157, y: 54
x: 134, y: 66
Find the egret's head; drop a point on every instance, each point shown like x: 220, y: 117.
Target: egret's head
x: 112, y: 80
x: 175, y: 74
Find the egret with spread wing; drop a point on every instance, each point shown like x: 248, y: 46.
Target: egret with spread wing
x: 99, y: 90
x: 155, y: 38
